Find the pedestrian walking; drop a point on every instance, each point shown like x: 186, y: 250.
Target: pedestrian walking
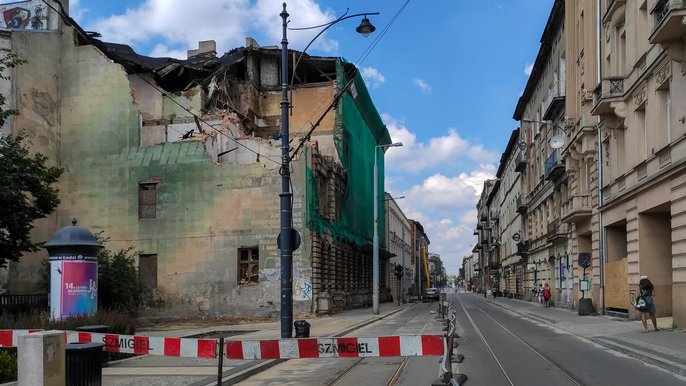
x: 540, y: 293
x: 647, y: 291
x: 546, y: 295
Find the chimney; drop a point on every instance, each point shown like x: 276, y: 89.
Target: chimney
x: 205, y: 48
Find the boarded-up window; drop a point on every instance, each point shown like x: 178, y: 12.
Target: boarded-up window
x: 147, y: 270
x: 248, y: 265
x: 147, y: 200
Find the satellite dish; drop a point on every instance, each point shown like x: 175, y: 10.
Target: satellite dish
x: 522, y: 145
x: 557, y: 141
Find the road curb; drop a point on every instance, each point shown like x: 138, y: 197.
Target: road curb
x: 671, y: 366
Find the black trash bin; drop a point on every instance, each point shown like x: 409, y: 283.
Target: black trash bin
x: 302, y: 329
x: 101, y: 329
x: 84, y: 364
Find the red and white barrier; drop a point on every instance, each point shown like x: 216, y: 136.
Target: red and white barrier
x: 385, y: 346
x: 9, y: 338
x: 148, y: 345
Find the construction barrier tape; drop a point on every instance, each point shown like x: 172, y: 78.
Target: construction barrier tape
x: 385, y: 346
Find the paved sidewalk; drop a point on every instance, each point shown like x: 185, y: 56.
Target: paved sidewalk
x: 665, y: 348
x: 157, y: 370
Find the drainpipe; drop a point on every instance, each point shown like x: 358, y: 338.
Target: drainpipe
x: 601, y: 228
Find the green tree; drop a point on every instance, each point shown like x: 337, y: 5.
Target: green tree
x: 119, y: 286
x: 26, y: 193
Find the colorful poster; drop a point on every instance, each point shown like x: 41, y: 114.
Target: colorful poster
x: 78, y: 288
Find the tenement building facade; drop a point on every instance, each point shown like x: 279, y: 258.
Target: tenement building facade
x: 603, y: 117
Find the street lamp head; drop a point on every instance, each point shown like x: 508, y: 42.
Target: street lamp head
x: 365, y: 27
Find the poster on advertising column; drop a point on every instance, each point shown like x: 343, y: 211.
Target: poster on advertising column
x: 74, y: 285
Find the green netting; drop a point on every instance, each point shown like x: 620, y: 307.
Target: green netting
x: 358, y: 129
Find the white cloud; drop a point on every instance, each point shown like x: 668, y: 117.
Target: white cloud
x: 417, y: 156
x: 528, y: 68
x: 444, y: 202
x: 372, y: 77
x: 75, y: 10
x: 180, y: 25
x: 422, y: 85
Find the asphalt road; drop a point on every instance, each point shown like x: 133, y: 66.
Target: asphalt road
x: 501, y: 347
x: 506, y: 348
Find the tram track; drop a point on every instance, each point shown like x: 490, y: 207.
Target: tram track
x: 340, y: 378
x: 517, y: 338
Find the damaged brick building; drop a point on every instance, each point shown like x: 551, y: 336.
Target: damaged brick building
x: 180, y: 159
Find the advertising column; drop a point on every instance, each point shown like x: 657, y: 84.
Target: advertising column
x: 73, y: 252
x: 73, y: 286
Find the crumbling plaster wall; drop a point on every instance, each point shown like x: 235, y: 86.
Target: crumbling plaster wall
x: 205, y: 210
x: 35, y: 94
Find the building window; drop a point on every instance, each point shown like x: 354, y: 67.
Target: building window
x: 248, y: 265
x: 147, y: 270
x: 147, y: 200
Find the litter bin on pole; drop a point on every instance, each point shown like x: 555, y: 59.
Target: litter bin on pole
x: 302, y: 329
x: 84, y: 364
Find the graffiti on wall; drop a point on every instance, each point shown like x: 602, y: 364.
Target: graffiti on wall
x: 302, y: 290
x: 27, y: 16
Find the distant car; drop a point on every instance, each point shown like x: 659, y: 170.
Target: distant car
x: 431, y: 293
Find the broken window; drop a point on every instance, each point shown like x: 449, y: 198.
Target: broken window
x: 147, y: 200
x: 248, y: 265
x: 147, y: 270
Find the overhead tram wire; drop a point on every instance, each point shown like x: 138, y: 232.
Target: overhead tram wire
x: 349, y: 74
x: 65, y: 18
x: 363, y: 56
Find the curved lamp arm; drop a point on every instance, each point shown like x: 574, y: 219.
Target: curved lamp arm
x: 544, y: 123
x: 326, y: 26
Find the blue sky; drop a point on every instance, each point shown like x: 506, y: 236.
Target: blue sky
x: 445, y: 76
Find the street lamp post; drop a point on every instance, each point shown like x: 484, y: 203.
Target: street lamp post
x: 375, y: 240
x: 287, y: 236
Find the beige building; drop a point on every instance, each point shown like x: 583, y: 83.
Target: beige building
x: 541, y: 112
x: 641, y: 105
x: 507, y: 222
x: 619, y: 125
x: 580, y: 210
x: 399, y: 241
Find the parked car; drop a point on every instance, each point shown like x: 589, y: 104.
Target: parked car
x: 431, y: 293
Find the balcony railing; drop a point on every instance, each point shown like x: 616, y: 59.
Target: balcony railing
x: 577, y: 208
x: 610, y: 89
x: 668, y: 21
x: 553, y: 167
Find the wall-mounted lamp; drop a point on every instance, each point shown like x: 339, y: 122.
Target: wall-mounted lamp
x: 558, y: 140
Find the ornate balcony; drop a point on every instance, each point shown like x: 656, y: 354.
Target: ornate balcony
x: 668, y: 26
x: 554, y: 167
x: 609, y: 90
x: 521, y: 206
x: 556, y: 230
x: 577, y: 208
x: 520, y: 163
